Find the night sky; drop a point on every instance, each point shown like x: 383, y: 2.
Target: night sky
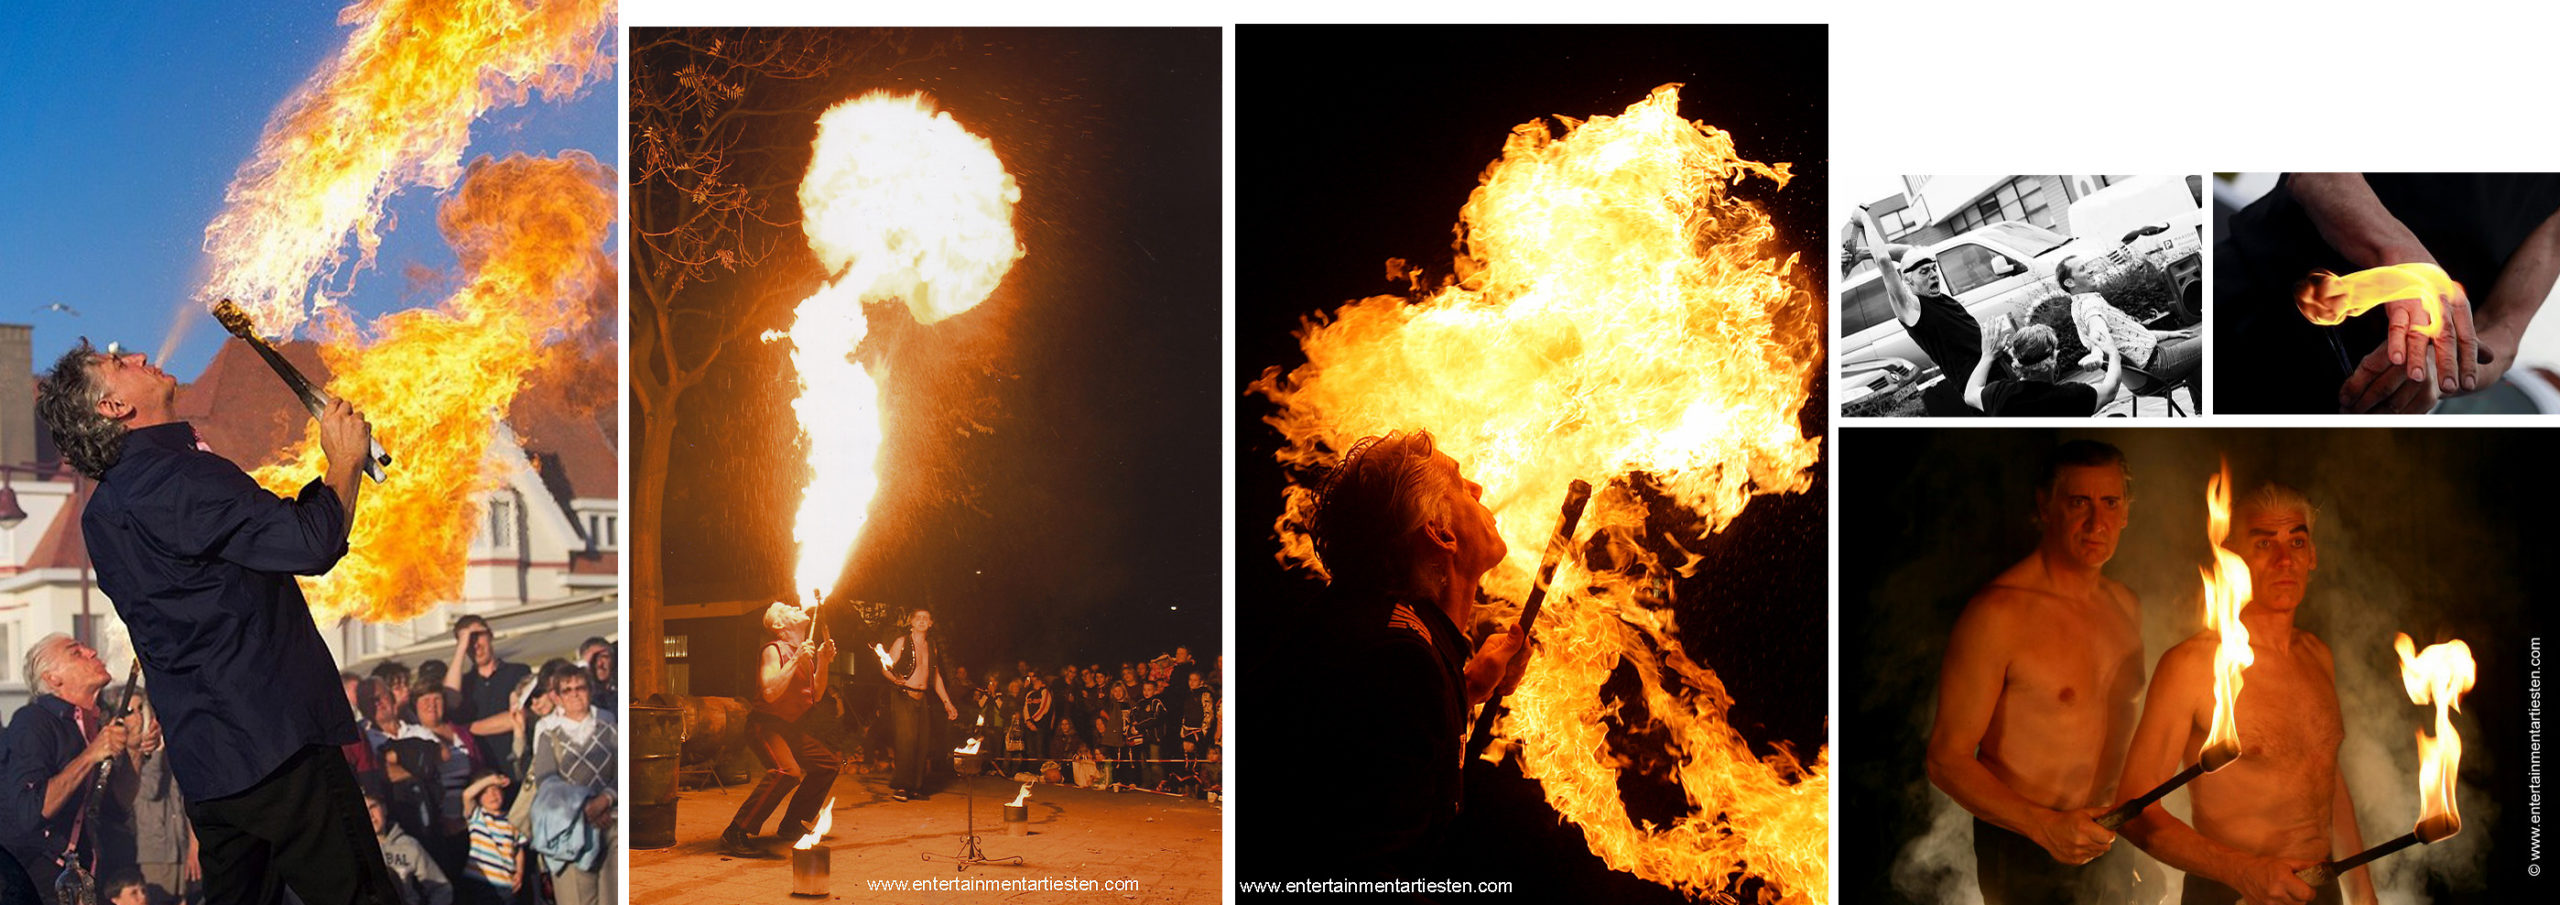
x: 1358, y: 145
x: 1050, y: 481
x: 2427, y: 532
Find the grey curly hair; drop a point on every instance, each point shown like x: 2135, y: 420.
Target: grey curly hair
x: 67, y: 400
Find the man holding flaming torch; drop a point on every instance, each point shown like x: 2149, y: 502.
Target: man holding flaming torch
x: 201, y: 563
x: 792, y: 680
x: 2282, y: 806
x: 2036, y: 697
x: 1406, y: 541
x: 914, y: 664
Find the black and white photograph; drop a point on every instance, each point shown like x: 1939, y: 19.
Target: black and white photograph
x: 2054, y: 296
x: 2386, y: 293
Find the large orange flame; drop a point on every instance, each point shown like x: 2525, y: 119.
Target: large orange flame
x: 901, y: 203
x: 2438, y: 675
x: 393, y: 109
x: 1616, y: 312
x: 530, y: 234
x: 2226, y: 591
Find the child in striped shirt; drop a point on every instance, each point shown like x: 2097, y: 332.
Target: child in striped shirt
x: 497, y: 846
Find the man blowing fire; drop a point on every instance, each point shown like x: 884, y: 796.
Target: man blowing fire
x: 1406, y: 542
x: 200, y: 562
x: 2036, y: 697
x: 2283, y: 805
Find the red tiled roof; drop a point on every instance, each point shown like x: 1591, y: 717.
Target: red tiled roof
x: 62, y: 546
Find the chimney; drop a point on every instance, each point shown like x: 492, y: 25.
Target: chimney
x: 17, y: 394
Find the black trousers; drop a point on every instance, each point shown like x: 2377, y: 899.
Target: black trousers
x: 304, y: 827
x: 911, y: 726
x: 794, y: 759
x: 2016, y: 871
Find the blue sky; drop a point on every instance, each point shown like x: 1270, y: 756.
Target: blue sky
x: 122, y: 123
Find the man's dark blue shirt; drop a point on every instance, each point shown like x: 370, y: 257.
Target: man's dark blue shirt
x: 41, y: 739
x: 200, y: 562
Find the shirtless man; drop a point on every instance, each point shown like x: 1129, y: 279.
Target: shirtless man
x: 2036, y: 698
x: 2283, y: 805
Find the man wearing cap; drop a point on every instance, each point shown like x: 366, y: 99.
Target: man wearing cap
x: 201, y: 563
x: 1945, y: 332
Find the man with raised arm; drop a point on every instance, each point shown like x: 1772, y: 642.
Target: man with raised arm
x: 202, y: 563
x: 2036, y: 697
x: 2283, y: 805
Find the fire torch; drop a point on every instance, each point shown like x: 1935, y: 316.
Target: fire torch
x: 237, y: 321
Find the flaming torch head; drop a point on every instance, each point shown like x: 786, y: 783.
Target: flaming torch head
x: 2226, y: 591
x: 826, y: 821
x: 235, y: 320
x: 2438, y: 675
x: 886, y: 662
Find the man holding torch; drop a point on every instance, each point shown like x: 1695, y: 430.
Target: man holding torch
x: 201, y: 563
x: 914, y: 664
x: 2036, y: 696
x: 2282, y: 806
x: 1406, y: 542
x: 791, y: 681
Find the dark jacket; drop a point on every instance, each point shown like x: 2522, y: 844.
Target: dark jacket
x: 201, y: 564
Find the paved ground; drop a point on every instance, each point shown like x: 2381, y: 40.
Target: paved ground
x: 1168, y: 848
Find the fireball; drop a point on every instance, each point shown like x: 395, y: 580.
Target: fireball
x: 1617, y: 316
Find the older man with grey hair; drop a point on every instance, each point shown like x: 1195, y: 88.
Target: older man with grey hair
x: 54, y: 746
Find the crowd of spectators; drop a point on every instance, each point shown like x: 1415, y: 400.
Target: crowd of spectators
x: 498, y: 775
x: 487, y: 782
x: 1151, y: 725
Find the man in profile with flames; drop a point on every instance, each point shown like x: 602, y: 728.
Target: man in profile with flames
x: 1405, y: 541
x: 201, y: 563
x: 2036, y: 697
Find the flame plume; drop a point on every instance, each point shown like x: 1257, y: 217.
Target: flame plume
x: 393, y: 109
x: 530, y: 234
x: 2439, y: 675
x: 2326, y: 298
x: 1615, y: 313
x: 901, y: 203
x: 2226, y: 591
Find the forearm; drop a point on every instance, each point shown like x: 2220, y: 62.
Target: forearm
x: 1974, y: 383
x: 1897, y: 294
x: 2523, y: 285
x: 1976, y: 790
x: 347, y: 481
x: 2115, y: 379
x: 2352, y: 220
x: 2178, y: 845
x: 73, y: 778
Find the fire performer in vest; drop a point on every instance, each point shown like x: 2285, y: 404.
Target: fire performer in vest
x: 2037, y: 694
x: 2283, y: 805
x: 793, y: 677
x: 1406, y: 542
x: 201, y: 564
x: 916, y: 669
